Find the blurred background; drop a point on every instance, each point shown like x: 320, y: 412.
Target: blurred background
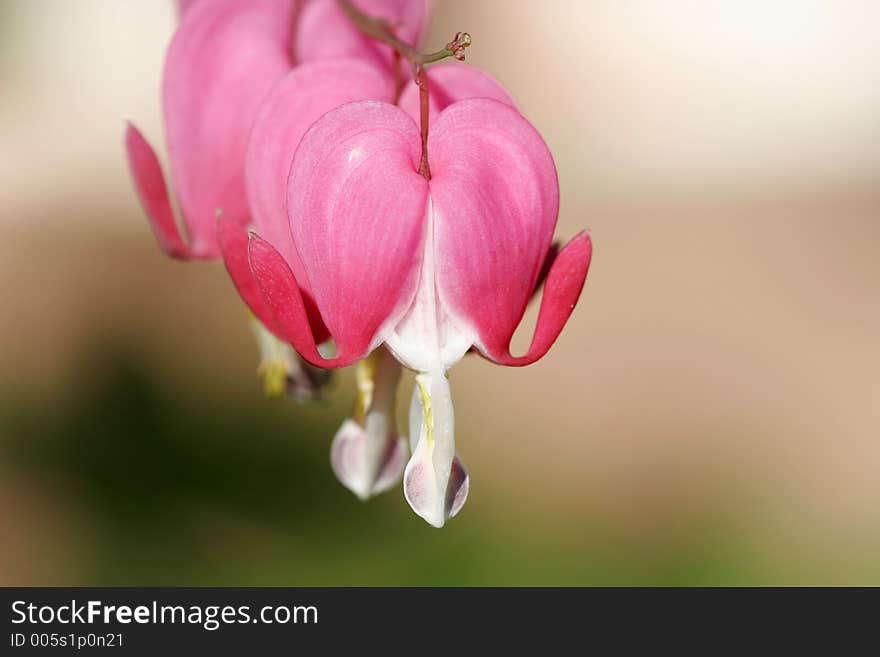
x: 710, y: 415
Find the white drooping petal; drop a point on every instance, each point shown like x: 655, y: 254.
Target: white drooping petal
x: 429, y: 340
x: 363, y: 464
x: 435, y: 482
x: 367, y: 455
x: 428, y: 337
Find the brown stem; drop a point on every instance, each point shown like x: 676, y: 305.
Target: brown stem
x: 398, y: 77
x: 424, y: 110
x: 379, y: 29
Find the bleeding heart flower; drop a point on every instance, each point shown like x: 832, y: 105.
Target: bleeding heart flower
x: 429, y: 268
x: 226, y: 55
x: 366, y: 454
x: 307, y: 93
x: 224, y: 59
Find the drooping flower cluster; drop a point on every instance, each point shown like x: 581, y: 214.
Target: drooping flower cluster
x: 356, y: 231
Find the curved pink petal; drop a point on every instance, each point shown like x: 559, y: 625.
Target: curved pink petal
x: 309, y: 91
x: 223, y: 59
x: 151, y: 189
x: 357, y: 209
x: 495, y: 197
x: 285, y: 301
x: 561, y: 292
x: 324, y: 31
x: 450, y: 82
x: 233, y: 239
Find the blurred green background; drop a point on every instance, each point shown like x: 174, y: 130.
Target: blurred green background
x: 711, y: 414
x: 171, y: 491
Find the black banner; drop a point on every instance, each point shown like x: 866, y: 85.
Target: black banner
x: 287, y: 620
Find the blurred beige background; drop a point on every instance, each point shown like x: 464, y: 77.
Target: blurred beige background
x: 723, y: 364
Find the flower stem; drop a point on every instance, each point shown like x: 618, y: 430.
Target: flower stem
x: 379, y: 29
x: 424, y: 110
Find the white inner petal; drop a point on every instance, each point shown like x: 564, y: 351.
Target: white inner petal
x: 427, y: 338
x: 366, y: 454
x: 380, y: 422
x: 432, y: 423
x: 430, y: 341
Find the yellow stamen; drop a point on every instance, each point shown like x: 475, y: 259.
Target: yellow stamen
x: 274, y: 375
x: 365, y: 378
x: 423, y: 382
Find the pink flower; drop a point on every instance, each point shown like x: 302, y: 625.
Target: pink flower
x: 279, y: 119
x: 226, y: 55
x: 427, y: 268
x: 366, y: 454
x: 224, y: 59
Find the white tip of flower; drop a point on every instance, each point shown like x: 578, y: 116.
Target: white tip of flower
x: 366, y: 468
x: 433, y: 501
